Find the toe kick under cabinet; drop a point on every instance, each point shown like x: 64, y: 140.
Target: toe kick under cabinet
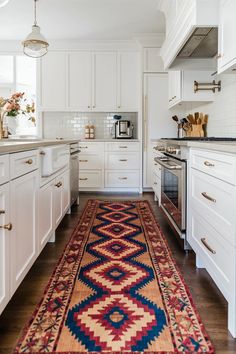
x: 212, y: 222
x: 110, y: 166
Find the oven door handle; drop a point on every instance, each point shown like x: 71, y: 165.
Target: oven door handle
x: 166, y: 165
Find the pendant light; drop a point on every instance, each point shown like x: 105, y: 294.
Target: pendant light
x: 3, y: 2
x: 35, y: 45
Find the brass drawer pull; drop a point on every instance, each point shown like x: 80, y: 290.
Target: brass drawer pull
x: 207, y: 246
x: 2, y: 212
x: 83, y: 160
x: 42, y: 153
x: 58, y: 185
x: 29, y: 162
x: 7, y: 227
x: 209, y: 164
x: 123, y: 147
x: 123, y: 160
x: 123, y: 178
x: 83, y: 179
x: 205, y: 195
x: 83, y: 147
x: 155, y: 183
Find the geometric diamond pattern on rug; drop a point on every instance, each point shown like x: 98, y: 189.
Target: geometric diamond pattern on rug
x: 116, y: 206
x: 116, y: 216
x: 116, y: 275
x: 117, y: 249
x: 116, y: 321
x: 116, y: 230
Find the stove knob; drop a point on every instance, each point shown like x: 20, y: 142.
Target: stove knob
x: 161, y: 148
x: 171, y: 150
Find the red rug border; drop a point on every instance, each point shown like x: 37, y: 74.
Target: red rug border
x: 89, y: 201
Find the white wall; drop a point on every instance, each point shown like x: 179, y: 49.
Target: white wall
x: 222, y: 112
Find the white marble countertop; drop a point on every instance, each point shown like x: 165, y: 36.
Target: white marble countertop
x: 16, y: 145
x: 110, y: 140
x: 224, y: 146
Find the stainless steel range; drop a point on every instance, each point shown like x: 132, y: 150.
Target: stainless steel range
x: 174, y: 180
x: 174, y: 185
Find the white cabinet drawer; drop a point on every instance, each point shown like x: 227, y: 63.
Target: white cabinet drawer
x: 4, y: 169
x: 122, y: 161
x: 122, y: 146
x: 157, y: 186
x: 90, y: 179
x: 157, y: 169
x: 90, y: 161
x: 212, y: 198
x: 119, y: 179
x: 23, y: 162
x: 218, y: 256
x: 88, y: 146
x: 219, y: 165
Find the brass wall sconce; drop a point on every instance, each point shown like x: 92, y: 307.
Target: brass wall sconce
x: 205, y: 86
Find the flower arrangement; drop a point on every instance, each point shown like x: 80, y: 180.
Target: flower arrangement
x: 16, y: 105
x: 12, y: 107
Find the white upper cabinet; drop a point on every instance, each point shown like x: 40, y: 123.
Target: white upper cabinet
x: 227, y: 43
x: 181, y: 87
x: 128, y: 84
x: 90, y: 81
x: 152, y: 61
x: 53, y: 82
x: 80, y: 80
x: 105, y: 81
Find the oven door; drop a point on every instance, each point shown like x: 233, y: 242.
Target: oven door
x: 173, y: 190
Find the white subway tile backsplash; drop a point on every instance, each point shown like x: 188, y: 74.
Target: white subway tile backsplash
x: 222, y: 112
x: 71, y: 124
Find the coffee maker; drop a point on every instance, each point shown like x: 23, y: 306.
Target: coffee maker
x: 123, y: 129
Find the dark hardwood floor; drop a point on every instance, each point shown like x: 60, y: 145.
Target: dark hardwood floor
x: 208, y: 299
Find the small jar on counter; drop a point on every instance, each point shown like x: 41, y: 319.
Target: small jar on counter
x: 91, y: 131
x: 86, y: 131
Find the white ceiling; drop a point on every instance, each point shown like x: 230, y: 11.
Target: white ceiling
x: 81, y: 19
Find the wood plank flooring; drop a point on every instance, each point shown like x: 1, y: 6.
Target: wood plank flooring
x: 208, y: 299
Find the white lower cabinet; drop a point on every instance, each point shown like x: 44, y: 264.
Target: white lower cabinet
x: 54, y: 202
x: 114, y: 165
x: 5, y: 235
x: 211, y: 229
x: 23, y: 240
x: 45, y: 214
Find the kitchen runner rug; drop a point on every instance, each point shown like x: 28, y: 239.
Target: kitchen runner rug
x: 117, y: 290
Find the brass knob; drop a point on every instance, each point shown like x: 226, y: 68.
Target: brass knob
x: 29, y: 162
x: 7, y: 227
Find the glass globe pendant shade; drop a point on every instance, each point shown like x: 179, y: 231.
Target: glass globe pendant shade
x: 3, y: 2
x: 35, y: 45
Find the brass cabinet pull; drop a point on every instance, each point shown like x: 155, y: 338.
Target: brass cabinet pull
x: 205, y: 195
x: 83, y: 179
x: 123, y: 160
x: 2, y: 211
x: 208, y: 164
x: 29, y: 162
x: 207, y: 246
x: 83, y: 147
x: 42, y: 153
x: 122, y: 177
x: 58, y: 185
x: 123, y: 147
x: 83, y: 160
x: 155, y: 183
x: 7, y: 227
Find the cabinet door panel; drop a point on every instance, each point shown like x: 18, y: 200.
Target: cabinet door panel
x: 4, y: 247
x: 157, y: 122
x: 53, y: 81
x: 128, y: 82
x: 227, y: 46
x: 24, y: 232
x: 45, y: 212
x: 105, y: 81
x: 57, y: 201
x: 65, y: 191
x: 80, y: 80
